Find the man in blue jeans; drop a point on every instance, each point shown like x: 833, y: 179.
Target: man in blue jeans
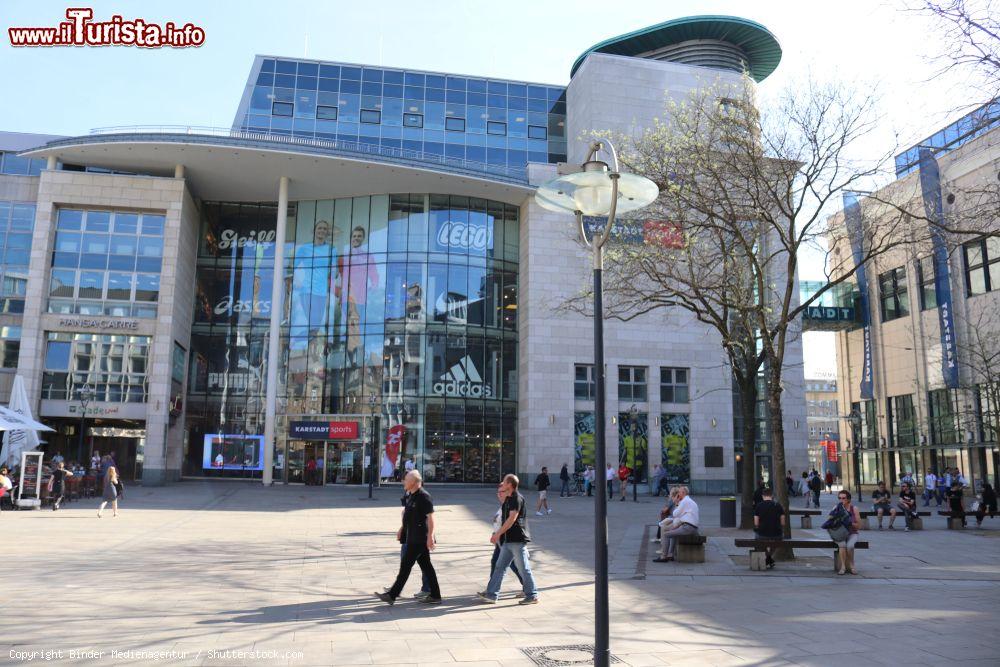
x: 513, y: 538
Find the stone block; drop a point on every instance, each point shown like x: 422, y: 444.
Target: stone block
x: 956, y: 523
x: 690, y: 553
x: 805, y: 522
x: 916, y: 523
x: 758, y: 560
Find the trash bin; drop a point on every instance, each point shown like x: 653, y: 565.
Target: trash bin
x: 727, y: 512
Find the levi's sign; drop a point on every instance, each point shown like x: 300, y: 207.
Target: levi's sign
x: 323, y: 430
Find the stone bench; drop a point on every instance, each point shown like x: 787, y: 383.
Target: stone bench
x: 758, y: 555
x: 916, y: 523
x: 805, y: 516
x: 955, y: 522
x: 690, y: 548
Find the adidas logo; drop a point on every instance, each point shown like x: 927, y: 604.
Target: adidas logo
x: 463, y: 380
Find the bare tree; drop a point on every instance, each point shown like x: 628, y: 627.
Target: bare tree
x: 751, y: 188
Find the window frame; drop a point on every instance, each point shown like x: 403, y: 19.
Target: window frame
x: 632, y: 384
x: 492, y: 125
x: 925, y: 285
x: 450, y: 119
x: 326, y: 108
x: 543, y: 128
x: 377, y: 115
x: 673, y: 385
x: 589, y: 384
x: 409, y: 116
x: 985, y: 265
x: 897, y: 278
x: 275, y: 105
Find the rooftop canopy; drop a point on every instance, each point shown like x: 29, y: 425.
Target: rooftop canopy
x: 723, y: 42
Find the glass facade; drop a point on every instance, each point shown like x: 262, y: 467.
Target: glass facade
x: 411, y: 299
x: 17, y: 222
x: 499, y: 123
x: 113, y: 365
x: 960, y: 132
x: 106, y: 263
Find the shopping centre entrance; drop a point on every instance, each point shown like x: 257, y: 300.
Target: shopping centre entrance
x: 325, y: 450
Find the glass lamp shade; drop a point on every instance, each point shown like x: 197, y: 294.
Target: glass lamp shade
x: 590, y: 193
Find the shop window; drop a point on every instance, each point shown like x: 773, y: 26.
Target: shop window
x: 631, y: 383
x: 584, y: 383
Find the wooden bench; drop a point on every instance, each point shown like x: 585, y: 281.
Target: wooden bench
x: 758, y: 555
x: 916, y: 523
x: 690, y: 549
x: 805, y: 516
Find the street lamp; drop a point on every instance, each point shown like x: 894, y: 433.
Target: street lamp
x: 374, y: 434
x: 855, y: 420
x: 85, y: 394
x: 598, y: 189
x: 634, y: 424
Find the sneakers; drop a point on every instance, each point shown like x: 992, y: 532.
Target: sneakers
x: 386, y: 598
x: 548, y: 511
x: 486, y: 598
x: 420, y: 595
x: 519, y: 594
x: 427, y: 599
x: 533, y: 600
x: 891, y: 527
x: 663, y: 560
x: 539, y: 513
x: 907, y: 529
x: 655, y: 540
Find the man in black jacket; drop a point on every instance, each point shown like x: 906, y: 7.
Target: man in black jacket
x: 417, y: 533
x: 564, y: 478
x: 542, y: 482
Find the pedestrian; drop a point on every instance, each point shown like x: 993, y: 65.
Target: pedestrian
x: 542, y: 483
x: 816, y: 485
x: 425, y: 583
x: 588, y: 480
x: 907, y: 505
x: 882, y: 504
x: 497, y: 522
x: 685, y: 522
x: 907, y: 478
x: 6, y: 485
x: 943, y: 486
x: 930, y: 488
x: 844, y: 524
x: 769, y: 524
x: 960, y: 478
x: 829, y: 481
x: 311, y: 472
x: 790, y: 483
x: 804, y: 488
x: 955, y: 503
x: 417, y: 535
x: 609, y: 476
x: 758, y: 494
x: 113, y: 489
x: 513, y: 537
x: 988, y: 503
x: 623, y: 473
x: 564, y: 479
x: 59, y: 475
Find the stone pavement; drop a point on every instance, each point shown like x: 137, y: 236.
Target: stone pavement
x: 229, y: 573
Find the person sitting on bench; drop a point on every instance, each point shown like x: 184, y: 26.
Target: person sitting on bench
x: 907, y: 505
x: 987, y: 504
x: 955, y: 502
x: 769, y: 523
x: 666, y: 514
x: 685, y: 523
x: 881, y: 504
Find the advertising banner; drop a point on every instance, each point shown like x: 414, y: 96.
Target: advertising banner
x: 675, y: 450
x: 31, y: 480
x: 583, y: 440
x: 323, y: 430
x: 930, y: 188
x: 855, y: 232
x: 661, y: 233
x: 394, y: 440
x: 832, y: 453
x: 232, y: 452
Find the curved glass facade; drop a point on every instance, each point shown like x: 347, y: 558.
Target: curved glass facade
x: 411, y: 299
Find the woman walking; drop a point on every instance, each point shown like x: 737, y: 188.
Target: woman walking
x: 112, y: 489
x: 843, y: 524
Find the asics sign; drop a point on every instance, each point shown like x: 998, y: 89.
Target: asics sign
x: 462, y: 381
x: 464, y: 236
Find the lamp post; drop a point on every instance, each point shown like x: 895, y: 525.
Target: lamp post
x: 598, y: 189
x: 855, y: 420
x: 85, y: 394
x: 634, y: 426
x: 374, y: 434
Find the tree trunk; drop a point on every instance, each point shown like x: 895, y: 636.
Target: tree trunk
x: 748, y: 409
x: 780, y: 488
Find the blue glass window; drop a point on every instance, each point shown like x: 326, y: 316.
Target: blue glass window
x: 537, y: 132
x: 435, y: 81
x: 286, y: 66
x: 329, y: 71
x: 435, y: 94
x: 282, y: 108
x: 265, y: 79
x: 308, y: 69
x: 497, y: 88
x: 326, y: 113
x: 413, y: 120
x: 371, y: 74
x: 390, y: 90
x: 267, y: 66
x: 496, y: 128
x: 352, y: 73
x: 284, y: 80
x: 371, y: 116
x: 371, y: 88
x: 476, y: 85
x: 329, y: 85
x: 350, y: 86
x: 392, y: 76
x: 454, y: 124
x: 305, y: 82
x: 414, y: 79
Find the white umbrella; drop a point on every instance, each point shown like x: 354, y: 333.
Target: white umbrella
x: 20, y: 429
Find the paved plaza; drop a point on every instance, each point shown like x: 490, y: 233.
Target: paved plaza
x: 220, y: 573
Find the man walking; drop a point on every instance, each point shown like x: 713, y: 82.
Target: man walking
x: 564, y: 478
x: 609, y: 476
x: 513, y: 538
x: 685, y: 523
x: 542, y: 482
x: 417, y: 533
x: 769, y: 524
x: 930, y: 488
x: 816, y: 485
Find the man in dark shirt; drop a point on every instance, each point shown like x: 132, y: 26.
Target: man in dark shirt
x: 907, y: 505
x: 881, y: 505
x: 513, y: 538
x: 768, y: 522
x: 542, y: 482
x: 564, y: 478
x: 417, y: 534
x: 955, y: 503
x: 59, y: 476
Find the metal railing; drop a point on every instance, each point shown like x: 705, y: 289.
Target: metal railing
x: 512, y: 173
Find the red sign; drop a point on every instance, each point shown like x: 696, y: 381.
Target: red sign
x: 343, y: 430
x: 324, y: 430
x: 393, y: 442
x: 663, y: 233
x: 832, y: 453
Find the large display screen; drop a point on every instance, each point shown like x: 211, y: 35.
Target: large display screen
x: 233, y: 452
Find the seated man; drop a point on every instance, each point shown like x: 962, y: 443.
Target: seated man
x: 881, y: 505
x: 907, y: 505
x: 769, y: 523
x: 685, y: 522
x: 666, y: 514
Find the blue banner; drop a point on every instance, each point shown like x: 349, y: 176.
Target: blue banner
x: 930, y: 188
x: 856, y: 234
